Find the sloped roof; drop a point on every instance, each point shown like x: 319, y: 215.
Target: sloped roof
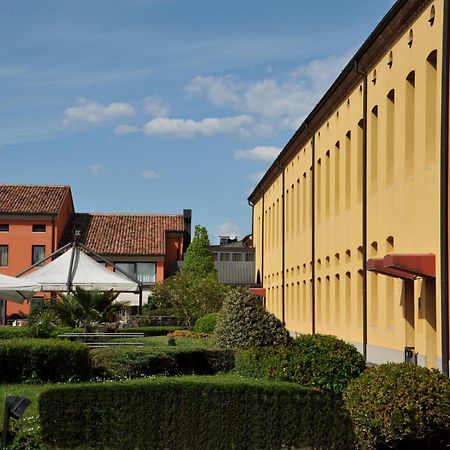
x: 123, y: 234
x: 32, y: 199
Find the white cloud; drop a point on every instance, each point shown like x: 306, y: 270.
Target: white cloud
x: 259, y: 153
x: 274, y: 103
x: 256, y: 176
x: 229, y: 228
x: 186, y: 128
x: 149, y: 174
x: 126, y: 129
x: 94, y: 112
x: 96, y: 169
x: 156, y: 106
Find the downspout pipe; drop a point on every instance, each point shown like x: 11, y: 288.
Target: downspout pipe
x: 262, y: 239
x: 283, y: 244
x: 363, y: 74
x: 444, y: 230
x: 313, y: 228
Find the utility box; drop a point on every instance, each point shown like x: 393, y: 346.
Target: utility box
x: 410, y: 355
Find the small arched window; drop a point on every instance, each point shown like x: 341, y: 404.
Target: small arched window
x: 432, y: 15
x: 410, y: 38
x: 390, y: 60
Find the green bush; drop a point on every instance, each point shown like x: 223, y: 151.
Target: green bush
x: 319, y: 361
x: 206, y: 324
x: 43, y: 360
x: 8, y: 332
x: 244, y: 323
x: 400, y: 406
x: 193, y: 413
x: 119, y: 363
x: 150, y: 331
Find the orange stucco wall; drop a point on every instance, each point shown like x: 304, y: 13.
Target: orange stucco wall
x: 173, y: 252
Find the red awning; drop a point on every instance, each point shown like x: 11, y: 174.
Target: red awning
x: 407, y: 266
x: 260, y: 292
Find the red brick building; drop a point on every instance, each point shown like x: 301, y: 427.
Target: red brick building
x: 37, y: 220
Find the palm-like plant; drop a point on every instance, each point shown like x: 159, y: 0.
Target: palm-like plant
x: 86, y: 307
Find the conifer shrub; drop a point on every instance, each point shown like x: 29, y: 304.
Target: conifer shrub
x: 179, y: 413
x: 400, y: 406
x: 206, y: 324
x: 43, y: 360
x: 243, y: 323
x: 316, y: 361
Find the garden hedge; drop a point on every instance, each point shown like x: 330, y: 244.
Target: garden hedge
x: 8, y: 332
x: 150, y: 331
x: 193, y: 413
x: 43, y: 360
x: 400, y: 406
x: 118, y: 363
x: 318, y: 360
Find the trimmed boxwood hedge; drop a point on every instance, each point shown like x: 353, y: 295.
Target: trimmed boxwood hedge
x: 8, y: 332
x: 118, y: 363
x: 193, y: 413
x: 320, y: 361
x: 400, y: 406
x: 43, y: 360
x: 150, y: 331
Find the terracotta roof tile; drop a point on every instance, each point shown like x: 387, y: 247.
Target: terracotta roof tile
x: 123, y: 234
x: 31, y: 199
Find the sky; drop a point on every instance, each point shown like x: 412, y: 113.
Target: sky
x: 155, y: 106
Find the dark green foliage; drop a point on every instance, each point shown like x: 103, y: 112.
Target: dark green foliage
x: 82, y: 308
x: 400, y: 406
x: 199, y: 260
x: 7, y: 332
x: 150, y: 331
x: 193, y: 413
x: 43, y: 360
x: 206, y: 324
x: 119, y: 363
x: 319, y: 361
x: 243, y: 323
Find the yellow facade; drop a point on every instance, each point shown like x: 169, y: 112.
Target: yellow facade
x: 401, y: 194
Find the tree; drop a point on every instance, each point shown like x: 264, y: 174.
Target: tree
x: 199, y: 260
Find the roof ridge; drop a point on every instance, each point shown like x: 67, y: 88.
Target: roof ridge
x: 130, y: 214
x: 35, y: 185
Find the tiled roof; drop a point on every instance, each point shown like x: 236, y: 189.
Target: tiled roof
x: 30, y: 199
x: 123, y: 234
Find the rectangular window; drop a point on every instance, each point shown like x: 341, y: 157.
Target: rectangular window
x: 224, y: 256
x: 38, y: 228
x: 237, y: 257
x: 4, y: 227
x: 215, y: 256
x: 249, y: 257
x: 38, y: 254
x: 3, y: 255
x: 145, y: 272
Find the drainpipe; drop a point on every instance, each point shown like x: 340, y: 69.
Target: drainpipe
x: 262, y: 240
x: 444, y: 191
x: 253, y: 224
x: 313, y: 229
x: 363, y: 73
x: 283, y: 244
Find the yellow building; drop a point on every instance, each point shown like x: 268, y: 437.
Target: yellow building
x: 350, y: 223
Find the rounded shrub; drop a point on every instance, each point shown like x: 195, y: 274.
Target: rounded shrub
x: 317, y: 361
x: 400, y: 406
x: 243, y: 323
x: 206, y: 324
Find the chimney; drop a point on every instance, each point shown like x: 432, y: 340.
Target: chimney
x: 224, y: 240
x: 187, y: 216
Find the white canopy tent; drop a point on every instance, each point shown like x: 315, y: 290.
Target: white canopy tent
x: 16, y: 289
x: 74, y: 268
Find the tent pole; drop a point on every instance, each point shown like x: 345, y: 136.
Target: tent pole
x: 3, y: 312
x: 69, y: 275
x: 140, y: 300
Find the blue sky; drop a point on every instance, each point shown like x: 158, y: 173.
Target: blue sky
x: 152, y: 106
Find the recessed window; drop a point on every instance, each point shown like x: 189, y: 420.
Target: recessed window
x: 390, y: 60
x: 215, y: 256
x: 145, y: 272
x: 3, y: 255
x: 4, y: 227
x: 38, y: 228
x: 410, y: 38
x: 432, y: 15
x: 224, y: 256
x: 38, y: 254
x: 237, y: 257
x: 249, y: 257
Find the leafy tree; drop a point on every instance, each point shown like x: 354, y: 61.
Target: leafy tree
x: 199, y: 260
x: 82, y: 308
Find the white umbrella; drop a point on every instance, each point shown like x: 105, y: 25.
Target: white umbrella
x: 17, y: 289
